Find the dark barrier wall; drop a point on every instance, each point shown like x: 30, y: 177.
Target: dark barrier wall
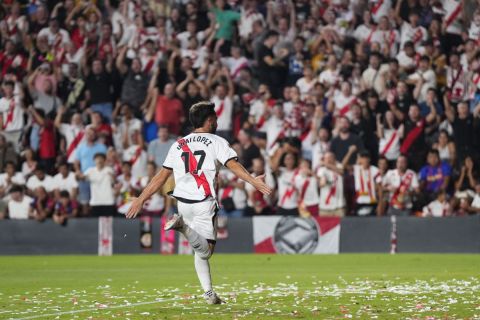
x: 366, y: 234
x: 31, y: 237
x: 455, y: 234
x: 461, y: 234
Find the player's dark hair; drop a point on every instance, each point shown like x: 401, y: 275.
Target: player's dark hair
x: 100, y: 155
x: 364, y: 154
x: 200, y: 112
x: 15, y: 188
x: 64, y: 194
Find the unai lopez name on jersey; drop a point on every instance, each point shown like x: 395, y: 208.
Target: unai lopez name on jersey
x: 200, y: 139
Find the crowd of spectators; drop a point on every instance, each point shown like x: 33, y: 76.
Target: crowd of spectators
x: 350, y: 107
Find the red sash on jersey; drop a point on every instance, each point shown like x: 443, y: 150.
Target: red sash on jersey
x: 10, y: 113
x: 476, y: 79
x: 369, y: 38
x: 290, y: 190
x: 227, y: 191
x: 193, y: 164
x: 402, y: 188
x: 239, y: 68
x: 137, y: 155
x: 391, y: 39
x: 454, y: 15
x: 305, y: 132
x: 261, y: 122
x: 221, y: 108
x: 75, y: 143
x: 411, y: 137
x: 368, y: 190
x: 377, y: 7
x: 280, y: 135
x: 149, y: 65
x: 389, y: 143
x: 304, y: 189
x: 333, y: 189
x: 418, y: 35
x: 346, y: 108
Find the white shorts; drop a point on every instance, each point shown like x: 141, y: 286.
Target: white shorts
x: 201, y: 217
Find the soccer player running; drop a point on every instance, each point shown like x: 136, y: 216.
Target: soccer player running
x: 195, y: 160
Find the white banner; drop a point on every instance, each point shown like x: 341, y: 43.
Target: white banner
x: 278, y: 234
x: 105, y: 236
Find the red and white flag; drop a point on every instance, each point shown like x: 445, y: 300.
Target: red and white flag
x: 289, y: 235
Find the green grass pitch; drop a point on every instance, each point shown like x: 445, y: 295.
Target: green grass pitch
x: 360, y: 286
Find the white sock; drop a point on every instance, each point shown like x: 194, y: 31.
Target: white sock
x: 199, y: 244
x: 203, y: 272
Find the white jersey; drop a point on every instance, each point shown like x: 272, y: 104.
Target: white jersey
x: 389, y: 145
x: 195, y: 161
x: 343, y: 104
x: 224, y: 110
x: 380, y: 9
x: 138, y: 158
x: 12, y: 112
x: 365, y: 181
x: 437, y: 209
x: 238, y: 195
x: 331, y: 194
x: 287, y: 192
x: 308, y: 190
x: 402, y: 185
x: 416, y: 34
x: 156, y: 202
x: 453, y: 16
x: 74, y: 136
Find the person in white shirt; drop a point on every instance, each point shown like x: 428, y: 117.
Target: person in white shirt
x: 365, y: 31
x: 374, y: 76
x: 159, y: 203
x: 408, y: 58
x: 330, y: 180
x: 232, y: 195
x: 366, y: 178
x: 440, y: 207
x: 330, y: 76
x: 73, y: 132
x: 126, y: 187
x: 40, y: 179
x: 65, y: 180
x: 474, y: 206
x: 424, y: 79
x: 136, y: 155
x: 19, y: 204
x: 390, y: 135
x: 306, y: 83
x: 223, y: 100
x: 412, y: 30
x: 191, y: 31
x: 342, y: 100
x: 379, y: 8
x: 275, y: 128
x: 101, y: 178
x: 284, y: 164
x: 55, y: 35
x: 195, y: 161
x: 123, y: 132
x: 10, y: 178
x: 11, y: 113
x: 235, y: 63
x: 307, y: 187
x: 401, y: 183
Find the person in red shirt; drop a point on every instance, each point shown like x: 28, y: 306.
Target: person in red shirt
x: 168, y: 109
x: 46, y: 151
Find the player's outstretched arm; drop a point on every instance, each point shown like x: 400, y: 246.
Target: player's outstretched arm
x: 157, y: 182
x: 243, y: 174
